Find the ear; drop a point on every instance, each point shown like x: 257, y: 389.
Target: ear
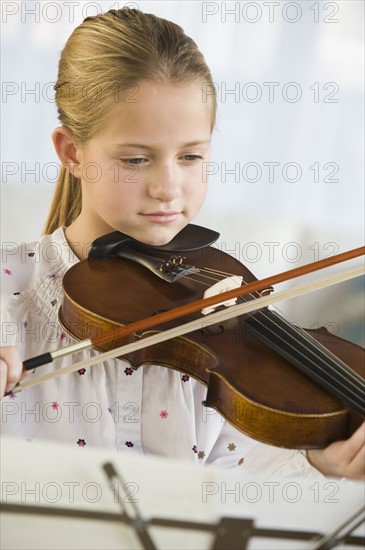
x: 67, y: 150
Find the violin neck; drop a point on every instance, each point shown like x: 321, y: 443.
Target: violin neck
x: 309, y: 356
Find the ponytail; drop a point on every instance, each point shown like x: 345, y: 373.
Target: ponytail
x: 66, y: 202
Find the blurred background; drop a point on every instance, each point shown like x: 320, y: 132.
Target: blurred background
x: 287, y: 171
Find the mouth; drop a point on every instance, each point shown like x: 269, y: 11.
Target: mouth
x: 161, y: 217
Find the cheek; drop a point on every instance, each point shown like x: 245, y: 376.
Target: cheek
x: 114, y: 189
x: 198, y: 191
x: 125, y: 185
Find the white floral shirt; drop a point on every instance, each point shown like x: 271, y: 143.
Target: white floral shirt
x: 149, y: 410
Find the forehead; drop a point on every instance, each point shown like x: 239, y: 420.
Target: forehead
x: 149, y: 109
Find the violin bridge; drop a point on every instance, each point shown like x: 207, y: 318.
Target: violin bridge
x: 235, y: 281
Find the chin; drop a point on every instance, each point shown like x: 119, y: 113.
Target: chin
x: 157, y: 241
x: 159, y: 237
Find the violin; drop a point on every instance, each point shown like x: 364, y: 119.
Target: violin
x: 274, y: 381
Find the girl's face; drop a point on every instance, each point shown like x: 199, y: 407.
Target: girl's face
x: 143, y: 172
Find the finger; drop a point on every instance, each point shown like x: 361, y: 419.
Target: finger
x: 11, y: 368
x: 3, y: 376
x: 357, y: 465
x: 356, y: 441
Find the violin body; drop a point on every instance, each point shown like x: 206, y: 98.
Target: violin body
x: 256, y: 389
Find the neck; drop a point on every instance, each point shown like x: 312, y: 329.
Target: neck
x: 79, y: 237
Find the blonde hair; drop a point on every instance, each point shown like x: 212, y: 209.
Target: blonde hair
x: 105, y: 56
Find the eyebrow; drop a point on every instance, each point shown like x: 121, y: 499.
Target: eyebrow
x: 141, y: 146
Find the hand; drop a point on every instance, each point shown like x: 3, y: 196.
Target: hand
x: 11, y: 368
x: 342, y: 458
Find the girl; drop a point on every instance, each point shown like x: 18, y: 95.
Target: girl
x: 135, y: 132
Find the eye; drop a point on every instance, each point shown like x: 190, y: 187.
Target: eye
x: 192, y: 157
x: 136, y: 161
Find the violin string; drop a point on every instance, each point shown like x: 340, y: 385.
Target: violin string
x: 329, y: 358
x: 314, y: 343
x: 222, y: 275
x: 204, y: 269
x: 347, y: 374
x: 304, y: 335
x: 207, y: 277
x: 211, y: 271
x: 336, y: 366
x: 191, y: 278
x: 218, y: 272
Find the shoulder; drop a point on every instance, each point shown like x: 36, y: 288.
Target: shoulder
x: 23, y: 263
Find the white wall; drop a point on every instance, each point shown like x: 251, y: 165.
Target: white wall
x: 314, y: 49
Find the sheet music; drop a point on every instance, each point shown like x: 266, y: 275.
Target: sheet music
x: 57, y: 475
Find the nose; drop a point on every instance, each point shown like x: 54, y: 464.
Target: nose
x: 164, y: 183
